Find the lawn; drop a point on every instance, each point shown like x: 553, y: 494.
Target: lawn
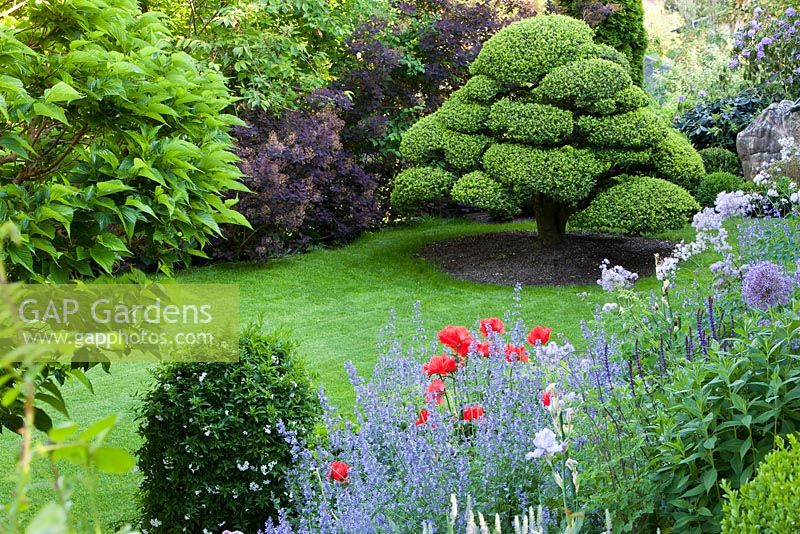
x: 333, y: 302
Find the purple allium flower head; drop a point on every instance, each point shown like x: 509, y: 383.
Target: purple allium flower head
x: 765, y: 284
x: 681, y: 99
x: 702, y: 94
x: 791, y: 12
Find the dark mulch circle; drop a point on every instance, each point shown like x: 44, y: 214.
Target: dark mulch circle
x: 510, y: 257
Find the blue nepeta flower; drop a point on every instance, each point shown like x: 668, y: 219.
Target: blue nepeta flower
x: 765, y: 284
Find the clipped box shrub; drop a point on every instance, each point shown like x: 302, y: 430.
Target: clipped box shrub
x: 770, y: 503
x: 715, y: 183
x: 477, y: 189
x: 212, y: 457
x: 719, y: 159
x: 675, y: 160
x: 526, y: 51
x: 637, y: 206
x: 428, y: 185
x: 550, y: 118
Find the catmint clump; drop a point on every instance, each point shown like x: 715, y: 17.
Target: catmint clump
x: 616, y: 277
x: 766, y: 285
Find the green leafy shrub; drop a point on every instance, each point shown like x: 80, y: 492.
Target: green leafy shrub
x: 527, y: 50
x: 538, y: 124
x: 477, y: 189
x: 715, y: 183
x: 464, y: 151
x: 480, y: 89
x: 461, y: 115
x: 603, y: 51
x: 212, y: 456
x: 271, y: 52
x: 419, y: 186
x: 718, y: 159
x: 637, y: 129
x: 722, y: 415
x: 675, y: 160
x: 115, y: 146
x: 770, y: 503
x: 638, y: 205
x: 565, y: 174
x: 582, y: 83
x: 632, y: 98
x: 424, y: 140
x: 718, y: 122
x: 564, y: 120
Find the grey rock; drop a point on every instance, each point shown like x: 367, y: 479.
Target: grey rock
x: 758, y: 144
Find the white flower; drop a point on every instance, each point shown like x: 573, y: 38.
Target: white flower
x: 202, y: 377
x: 155, y: 522
x: 545, y: 441
x: 795, y: 197
x: 244, y: 466
x: 610, y: 306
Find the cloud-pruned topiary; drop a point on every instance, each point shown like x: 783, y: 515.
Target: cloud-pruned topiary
x: 639, y: 205
x: 547, y: 122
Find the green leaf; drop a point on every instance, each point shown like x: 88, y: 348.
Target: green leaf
x: 62, y: 431
x: 110, y: 187
x: 709, y: 478
x: 112, y: 242
x: 16, y: 144
x: 52, y: 111
x: 61, y: 92
x: 104, y: 257
x: 744, y: 448
x: 99, y: 429
x: 52, y: 519
x: 113, y: 460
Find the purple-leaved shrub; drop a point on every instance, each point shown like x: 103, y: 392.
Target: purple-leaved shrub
x: 306, y: 187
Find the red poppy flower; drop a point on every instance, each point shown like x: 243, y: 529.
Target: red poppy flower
x: 546, y: 399
x: 493, y: 323
x: 423, y: 417
x: 482, y: 349
x: 457, y: 338
x: 473, y: 412
x: 435, y: 391
x: 339, y: 471
x: 540, y: 334
x: 516, y: 352
x: 440, y: 365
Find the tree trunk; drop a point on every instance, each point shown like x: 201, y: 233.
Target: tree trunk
x: 551, y: 220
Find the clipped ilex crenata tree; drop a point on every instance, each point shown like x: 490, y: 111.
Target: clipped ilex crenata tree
x: 549, y: 122
x: 114, y: 146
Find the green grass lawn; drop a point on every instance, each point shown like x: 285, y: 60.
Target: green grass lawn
x: 333, y: 302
